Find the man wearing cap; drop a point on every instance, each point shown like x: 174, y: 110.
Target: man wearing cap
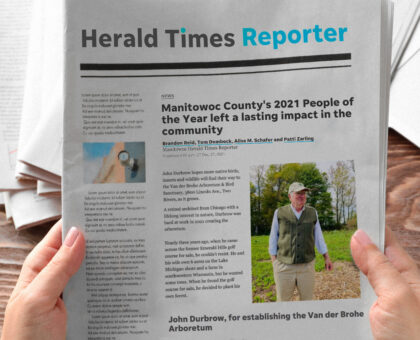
x: 295, y: 232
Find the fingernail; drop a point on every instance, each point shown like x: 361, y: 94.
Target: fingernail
x: 362, y: 237
x: 71, y: 236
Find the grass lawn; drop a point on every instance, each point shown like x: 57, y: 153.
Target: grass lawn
x: 338, y: 242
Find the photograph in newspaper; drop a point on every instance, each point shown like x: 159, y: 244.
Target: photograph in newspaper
x: 302, y: 219
x: 114, y: 162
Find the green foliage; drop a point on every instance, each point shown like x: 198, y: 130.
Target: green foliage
x: 258, y: 299
x: 352, y: 223
x: 338, y: 242
x: 257, y: 220
x: 342, y: 182
x: 325, y: 213
x: 262, y: 270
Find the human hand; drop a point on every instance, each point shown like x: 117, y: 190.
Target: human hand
x: 35, y: 310
x: 273, y: 258
x: 396, y: 281
x: 328, y: 263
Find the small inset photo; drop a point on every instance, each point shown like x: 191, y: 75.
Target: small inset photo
x: 119, y: 162
x: 302, y: 218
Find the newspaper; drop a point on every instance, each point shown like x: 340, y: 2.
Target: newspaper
x: 38, y: 146
x: 36, y: 173
x: 47, y: 189
x: 404, y: 109
x: 174, y: 111
x: 14, y: 28
x: 30, y: 108
x: 41, y: 145
x: 28, y: 209
x: 406, y: 17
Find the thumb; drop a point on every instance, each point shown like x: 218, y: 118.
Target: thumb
x: 382, y: 275
x: 53, y: 278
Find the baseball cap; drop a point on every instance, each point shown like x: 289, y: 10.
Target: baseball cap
x: 296, y: 186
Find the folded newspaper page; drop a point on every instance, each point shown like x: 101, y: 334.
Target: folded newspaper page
x: 14, y: 31
x: 404, y: 108
x: 406, y: 18
x: 41, y: 147
x: 218, y: 157
x: 28, y: 209
x: 47, y: 189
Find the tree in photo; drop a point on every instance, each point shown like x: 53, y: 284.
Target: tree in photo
x: 342, y: 182
x: 257, y: 219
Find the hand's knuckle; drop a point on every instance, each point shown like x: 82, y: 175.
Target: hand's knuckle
x: 62, y: 266
x: 58, y: 262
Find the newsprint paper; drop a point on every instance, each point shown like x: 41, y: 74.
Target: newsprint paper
x: 172, y: 109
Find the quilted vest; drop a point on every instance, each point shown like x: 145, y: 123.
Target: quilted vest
x: 296, y: 243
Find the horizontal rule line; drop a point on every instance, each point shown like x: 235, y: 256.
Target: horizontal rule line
x: 214, y: 74
x: 214, y: 64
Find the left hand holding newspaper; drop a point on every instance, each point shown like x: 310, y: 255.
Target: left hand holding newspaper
x: 36, y: 310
